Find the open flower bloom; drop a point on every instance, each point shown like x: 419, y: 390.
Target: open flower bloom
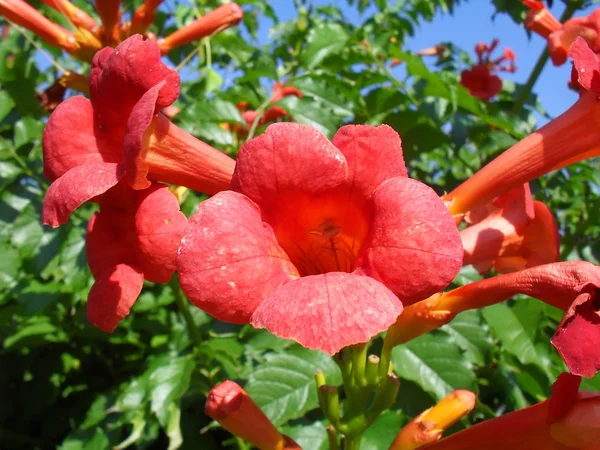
x: 232, y: 407
x: 571, y: 137
x: 513, y: 233
x: 571, y: 286
x: 223, y: 17
x: 480, y: 80
x: 144, y: 16
x: 81, y: 44
x: 428, y: 426
x: 569, y: 419
x: 560, y: 41
x: 319, y: 241
x: 539, y: 19
x: 90, y: 145
x: 134, y: 237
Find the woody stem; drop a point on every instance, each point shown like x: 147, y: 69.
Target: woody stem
x: 184, y: 309
x: 541, y: 62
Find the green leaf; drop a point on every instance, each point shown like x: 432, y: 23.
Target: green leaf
x: 284, y: 386
x: 382, y: 432
x: 86, y: 440
x: 28, y: 130
x: 313, y: 436
x: 169, y: 379
x: 323, y: 92
x: 9, y: 266
x: 35, y: 332
x: 435, y: 363
x: 323, y: 40
x: 472, y: 336
x: 6, y: 104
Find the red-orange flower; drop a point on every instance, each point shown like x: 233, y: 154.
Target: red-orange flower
x: 571, y: 286
x: 480, y: 80
x: 230, y: 405
x: 78, y: 17
x: 571, y: 137
x: 512, y: 233
x: 144, y: 16
x: 90, y: 145
x: 134, y: 237
x: 225, y: 16
x: 569, y: 419
x: 272, y: 113
x: 560, y: 41
x: 320, y: 241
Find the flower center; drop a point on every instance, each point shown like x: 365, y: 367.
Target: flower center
x: 329, y: 249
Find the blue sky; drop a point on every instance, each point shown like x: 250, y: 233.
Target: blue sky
x: 471, y: 23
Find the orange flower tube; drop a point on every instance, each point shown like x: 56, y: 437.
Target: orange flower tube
x: 539, y: 19
x: 428, y: 426
x: 109, y: 13
x: 232, y: 407
x: 569, y: 420
x: 26, y: 16
x: 144, y: 16
x: 73, y: 13
x: 225, y: 16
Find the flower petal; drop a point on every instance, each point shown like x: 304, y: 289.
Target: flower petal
x: 373, y: 155
x: 328, y: 312
x: 112, y: 296
x: 289, y: 159
x: 139, y: 120
x: 105, y: 244
x: 578, y: 335
x: 74, y: 188
x: 585, y: 62
x: 120, y: 77
x: 229, y: 261
x: 69, y: 139
x: 413, y: 246
x: 159, y: 227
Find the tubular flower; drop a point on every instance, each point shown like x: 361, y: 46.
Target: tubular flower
x: 539, y: 19
x: 571, y: 286
x: 144, y: 16
x: 569, y: 138
x: 82, y: 45
x: 118, y: 134
x: 560, y: 41
x: 480, y: 80
x: 429, y: 426
x: 569, y: 419
x: 232, y: 407
x: 75, y: 15
x: 134, y: 237
x: 319, y: 241
x: 515, y: 233
x: 110, y: 14
x: 225, y: 16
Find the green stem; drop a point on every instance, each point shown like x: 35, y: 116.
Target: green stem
x: 541, y: 62
x: 352, y: 442
x: 184, y: 309
x: 332, y: 437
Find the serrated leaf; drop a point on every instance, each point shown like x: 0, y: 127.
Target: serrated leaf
x: 471, y: 335
x: 284, y: 386
x: 323, y: 40
x: 435, y: 363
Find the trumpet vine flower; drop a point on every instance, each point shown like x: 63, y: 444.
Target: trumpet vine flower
x: 89, y: 145
x: 232, y: 407
x: 569, y: 138
x: 134, y: 237
x: 319, y: 241
x: 78, y: 17
x: 514, y: 233
x: 480, y: 79
x: 569, y: 419
x: 144, y: 16
x: 539, y: 19
x: 429, y: 426
x: 571, y: 286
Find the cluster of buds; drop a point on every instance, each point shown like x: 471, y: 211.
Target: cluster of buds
x: 560, y: 36
x: 89, y: 36
x: 480, y: 79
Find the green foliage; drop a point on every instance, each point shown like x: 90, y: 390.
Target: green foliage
x: 66, y: 385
